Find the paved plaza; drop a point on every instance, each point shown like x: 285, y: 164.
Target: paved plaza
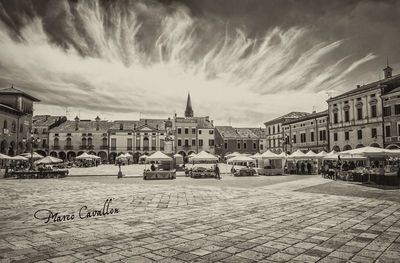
x: 278, y: 219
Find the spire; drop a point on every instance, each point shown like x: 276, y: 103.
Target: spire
x: 189, y: 110
x: 388, y: 70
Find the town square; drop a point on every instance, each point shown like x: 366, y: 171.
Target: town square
x: 199, y: 131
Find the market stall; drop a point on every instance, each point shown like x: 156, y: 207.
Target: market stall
x: 245, y: 164
x: 178, y: 162
x: 271, y: 164
x: 203, y: 165
x: 161, y: 167
x: 142, y: 159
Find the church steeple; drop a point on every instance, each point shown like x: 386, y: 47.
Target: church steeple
x: 189, y: 110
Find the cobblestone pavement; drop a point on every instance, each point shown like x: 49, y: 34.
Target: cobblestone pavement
x: 169, y: 223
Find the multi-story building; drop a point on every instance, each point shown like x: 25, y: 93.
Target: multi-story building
x: 16, y: 108
x: 309, y: 132
x: 391, y: 118
x: 275, y: 132
x: 72, y: 138
x: 262, y: 137
x: 356, y: 116
x: 41, y: 127
x: 193, y: 134
x: 145, y: 136
x: 229, y: 139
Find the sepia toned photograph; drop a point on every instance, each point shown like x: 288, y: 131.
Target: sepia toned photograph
x: 179, y: 131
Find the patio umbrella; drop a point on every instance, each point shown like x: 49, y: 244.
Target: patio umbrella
x: 19, y: 158
x: 49, y: 160
x: 29, y: 155
x: 4, y: 157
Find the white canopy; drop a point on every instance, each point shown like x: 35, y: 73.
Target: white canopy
x: 203, y: 156
x: 19, y: 158
x: 144, y: 156
x: 296, y: 154
x: 231, y: 155
x: 367, y: 151
x: 311, y: 154
x: 241, y: 159
x: 322, y: 154
x: 158, y: 156
x: 256, y: 156
x: 270, y: 155
x: 86, y: 156
x: 177, y: 155
x: 191, y: 155
x: 49, y: 160
x: 29, y: 155
x: 334, y: 156
x: 4, y: 157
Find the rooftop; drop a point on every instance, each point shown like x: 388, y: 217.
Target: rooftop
x: 237, y: 133
x: 84, y: 126
x: 286, y: 117
x: 45, y: 120
x: 14, y: 91
x: 309, y: 117
x: 367, y: 87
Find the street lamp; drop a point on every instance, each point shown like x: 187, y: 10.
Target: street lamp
x: 32, y: 140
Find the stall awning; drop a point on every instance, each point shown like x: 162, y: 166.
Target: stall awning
x: 204, y: 156
x: 270, y: 155
x: 158, y: 156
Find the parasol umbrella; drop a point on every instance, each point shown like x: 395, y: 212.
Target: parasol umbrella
x: 19, y: 158
x: 49, y: 160
x: 4, y: 157
x: 29, y: 155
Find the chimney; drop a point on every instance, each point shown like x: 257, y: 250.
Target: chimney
x: 76, y: 123
x: 97, y: 123
x: 358, y: 86
x: 212, y: 122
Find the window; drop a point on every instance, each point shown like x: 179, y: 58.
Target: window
x: 56, y: 141
x: 302, y: 137
x: 273, y: 142
x: 278, y: 128
x: 186, y: 131
x: 193, y: 142
x: 312, y: 136
x: 387, y: 130
x: 335, y: 117
x: 294, y: 138
x: 225, y: 145
x: 5, y: 124
x: 387, y: 111
x: 255, y: 145
x: 35, y: 131
x: 89, y: 134
x: 21, y: 128
x: 199, y: 131
x: 359, y: 114
x: 211, y: 142
x: 211, y: 132
x: 373, y: 133
x: 44, y: 143
x: 104, y: 141
x: 273, y: 129
x: 113, y: 143
x: 346, y: 116
x: 89, y: 141
x: 179, y: 130
x: 83, y: 141
x: 372, y: 95
x: 398, y: 129
x: 335, y: 136
x: 121, y: 126
x: 359, y: 134
x: 397, y: 109
x: 238, y: 145
x: 269, y: 130
x: 261, y: 147
x: 373, y: 111
x: 129, y: 143
x: 83, y: 134
x: 200, y: 142
x: 193, y: 131
x: 186, y: 142
x: 244, y: 145
x: 346, y: 136
x: 322, y: 135
x: 179, y: 142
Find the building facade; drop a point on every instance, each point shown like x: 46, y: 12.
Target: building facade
x: 275, y: 132
x: 391, y: 118
x: 262, y: 138
x: 16, y: 110
x: 42, y: 124
x: 229, y: 139
x: 356, y: 117
x: 309, y: 132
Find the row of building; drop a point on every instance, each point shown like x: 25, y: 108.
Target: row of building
x: 366, y: 115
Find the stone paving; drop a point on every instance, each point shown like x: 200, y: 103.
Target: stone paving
x: 169, y: 223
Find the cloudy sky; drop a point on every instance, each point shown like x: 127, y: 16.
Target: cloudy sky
x: 243, y: 62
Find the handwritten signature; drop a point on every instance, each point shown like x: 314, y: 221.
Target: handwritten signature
x: 49, y: 216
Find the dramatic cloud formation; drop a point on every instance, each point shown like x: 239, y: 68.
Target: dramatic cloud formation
x: 120, y: 58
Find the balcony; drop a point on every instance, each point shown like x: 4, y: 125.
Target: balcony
x: 56, y: 147
x: 113, y: 148
x: 83, y: 147
x: 68, y: 147
x: 104, y: 147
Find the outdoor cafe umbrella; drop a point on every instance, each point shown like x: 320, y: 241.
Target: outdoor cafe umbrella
x: 18, y: 158
x: 49, y: 160
x: 35, y: 155
x: 4, y: 157
x: 85, y: 156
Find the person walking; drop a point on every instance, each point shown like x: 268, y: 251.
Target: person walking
x: 309, y: 168
x: 217, y: 172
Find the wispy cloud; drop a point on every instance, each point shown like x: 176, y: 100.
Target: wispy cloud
x: 143, y: 57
